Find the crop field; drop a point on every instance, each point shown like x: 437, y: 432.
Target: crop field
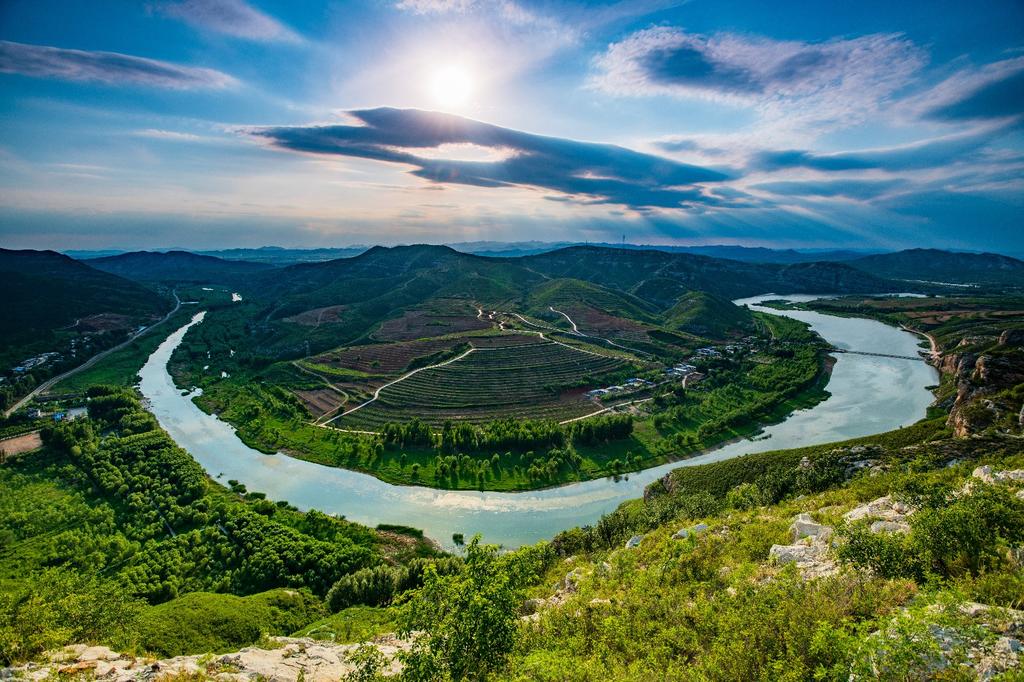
x: 443, y: 316
x: 541, y: 380
x: 383, y: 358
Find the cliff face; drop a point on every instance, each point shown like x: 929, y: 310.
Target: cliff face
x: 982, y: 383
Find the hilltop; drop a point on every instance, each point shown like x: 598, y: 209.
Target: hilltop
x: 935, y: 265
x: 176, y: 266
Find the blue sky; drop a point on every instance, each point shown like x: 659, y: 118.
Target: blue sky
x: 218, y: 123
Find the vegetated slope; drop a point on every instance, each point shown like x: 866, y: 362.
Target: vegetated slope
x: 44, y: 291
x: 573, y: 293
x: 705, y: 314
x: 177, y: 266
x: 935, y: 265
x: 660, y: 277
x: 384, y: 283
x: 111, y: 515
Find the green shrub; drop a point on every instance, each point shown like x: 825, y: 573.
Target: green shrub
x: 59, y: 607
x: 203, y: 622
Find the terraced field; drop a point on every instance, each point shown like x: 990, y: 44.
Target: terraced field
x: 540, y: 380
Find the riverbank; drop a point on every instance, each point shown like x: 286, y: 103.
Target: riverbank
x: 741, y: 397
x: 868, y: 395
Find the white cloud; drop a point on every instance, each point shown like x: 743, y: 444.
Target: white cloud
x: 827, y: 85
x: 231, y: 17
x: 111, y: 68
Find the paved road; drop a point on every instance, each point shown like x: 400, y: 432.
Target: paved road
x: 91, y: 361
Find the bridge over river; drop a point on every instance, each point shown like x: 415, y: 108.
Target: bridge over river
x: 877, y: 355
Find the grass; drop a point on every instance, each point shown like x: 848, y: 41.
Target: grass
x: 354, y: 624
x: 204, y: 622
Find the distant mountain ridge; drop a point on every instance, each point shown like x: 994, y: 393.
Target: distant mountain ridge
x: 936, y: 265
x: 180, y: 266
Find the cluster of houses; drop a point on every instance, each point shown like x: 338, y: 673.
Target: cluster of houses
x: 60, y: 415
x: 627, y: 386
x: 31, y: 363
x: 685, y: 371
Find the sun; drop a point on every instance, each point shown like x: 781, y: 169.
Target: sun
x: 451, y: 85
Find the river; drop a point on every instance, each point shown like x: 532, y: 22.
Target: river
x: 868, y: 395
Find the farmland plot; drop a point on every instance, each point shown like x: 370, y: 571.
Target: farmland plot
x: 541, y: 380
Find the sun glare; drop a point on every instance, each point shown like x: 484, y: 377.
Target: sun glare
x: 451, y: 85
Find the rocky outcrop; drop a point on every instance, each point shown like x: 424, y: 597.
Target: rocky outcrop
x: 892, y: 513
x: 978, y: 377
x: 809, y: 550
x: 982, y: 657
x: 294, y: 659
x: 987, y: 475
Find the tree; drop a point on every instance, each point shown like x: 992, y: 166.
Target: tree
x: 467, y: 619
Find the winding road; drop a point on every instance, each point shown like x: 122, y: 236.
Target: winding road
x: 49, y: 383
x: 376, y: 394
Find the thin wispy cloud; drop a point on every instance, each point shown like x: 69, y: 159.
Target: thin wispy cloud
x: 928, y: 154
x: 835, y: 83
x: 993, y: 91
x: 235, y: 18
x: 109, y: 68
x: 582, y: 171
x: 849, y: 189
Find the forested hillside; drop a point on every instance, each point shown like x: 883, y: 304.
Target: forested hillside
x: 45, y: 291
x: 111, y: 516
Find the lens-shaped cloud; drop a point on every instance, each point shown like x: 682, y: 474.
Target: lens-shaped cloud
x: 110, y: 68
x: 584, y: 171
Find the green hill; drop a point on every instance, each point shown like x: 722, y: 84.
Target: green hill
x: 676, y: 273
x: 45, y: 291
x: 574, y: 293
x: 175, y: 266
x: 704, y: 314
x: 935, y: 265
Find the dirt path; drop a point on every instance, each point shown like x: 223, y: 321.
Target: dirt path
x: 577, y: 332
x: 327, y: 384
x: 376, y: 394
x: 607, y: 409
x: 49, y: 383
x: 575, y: 329
x: 935, y: 352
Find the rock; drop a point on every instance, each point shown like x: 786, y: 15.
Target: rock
x: 634, y: 541
x: 1010, y: 475
x: 98, y: 653
x: 890, y: 527
x: 531, y: 606
x: 1020, y: 494
x: 810, y: 559
x: 1012, y: 337
x: 793, y: 554
x: 984, y: 473
x: 684, y: 533
x: 805, y: 527
x: 884, y: 508
x: 571, y: 581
